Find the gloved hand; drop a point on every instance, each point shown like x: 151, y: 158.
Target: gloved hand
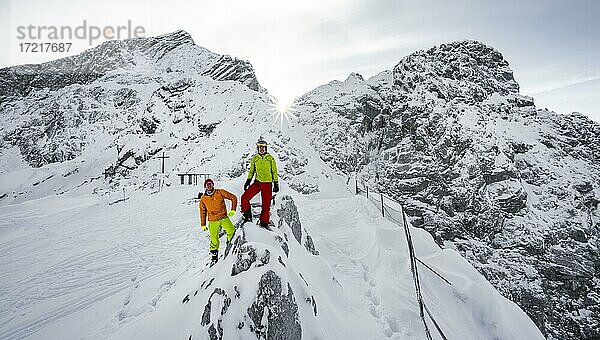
x: 247, y: 185
x: 275, y: 186
x: 205, y: 227
x: 231, y: 213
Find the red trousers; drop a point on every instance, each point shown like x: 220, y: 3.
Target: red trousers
x: 266, y: 194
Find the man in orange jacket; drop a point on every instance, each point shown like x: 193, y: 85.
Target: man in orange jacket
x: 212, y: 204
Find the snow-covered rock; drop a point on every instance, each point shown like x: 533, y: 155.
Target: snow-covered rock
x: 481, y: 168
x: 259, y: 288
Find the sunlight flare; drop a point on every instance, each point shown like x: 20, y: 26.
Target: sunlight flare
x: 282, y: 109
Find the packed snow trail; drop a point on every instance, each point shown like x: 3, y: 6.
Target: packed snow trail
x: 368, y: 254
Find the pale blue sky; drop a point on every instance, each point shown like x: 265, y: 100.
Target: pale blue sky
x: 551, y: 45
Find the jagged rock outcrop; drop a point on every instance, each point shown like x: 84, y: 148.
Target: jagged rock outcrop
x: 279, y: 308
x: 288, y: 213
x: 482, y: 169
x: 280, y: 302
x: 228, y: 68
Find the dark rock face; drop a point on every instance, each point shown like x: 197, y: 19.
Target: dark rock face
x: 575, y: 135
x: 206, y: 129
x: 284, y: 245
x: 288, y: 213
x: 215, y: 333
x: 148, y: 126
x: 228, y: 68
x: 477, y: 165
x: 310, y: 246
x: 246, y: 257
x: 282, y: 311
x: 126, y: 98
x: 508, y: 196
x: 129, y: 158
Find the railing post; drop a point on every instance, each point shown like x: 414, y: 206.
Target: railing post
x: 382, y: 211
x: 367, y: 187
x: 356, y: 186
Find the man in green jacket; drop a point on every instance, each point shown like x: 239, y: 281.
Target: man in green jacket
x: 264, y: 167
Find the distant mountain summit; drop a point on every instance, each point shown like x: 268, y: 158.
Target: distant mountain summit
x: 466, y: 69
x: 173, y: 52
x: 515, y: 189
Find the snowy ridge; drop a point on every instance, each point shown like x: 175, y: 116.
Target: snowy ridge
x: 97, y: 243
x: 170, y: 52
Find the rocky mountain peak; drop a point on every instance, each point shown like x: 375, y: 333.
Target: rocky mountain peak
x: 467, y: 69
x: 355, y: 77
x: 481, y: 168
x: 179, y: 37
x: 168, y: 52
x: 152, y: 47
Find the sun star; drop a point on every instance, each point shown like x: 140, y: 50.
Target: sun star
x: 282, y: 109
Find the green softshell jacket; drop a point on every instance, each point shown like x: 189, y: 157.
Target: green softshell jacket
x: 265, y: 168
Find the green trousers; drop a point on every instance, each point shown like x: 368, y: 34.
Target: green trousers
x: 214, y: 228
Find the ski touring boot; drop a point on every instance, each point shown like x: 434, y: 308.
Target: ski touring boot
x: 267, y: 226
x: 214, y: 257
x: 247, y: 216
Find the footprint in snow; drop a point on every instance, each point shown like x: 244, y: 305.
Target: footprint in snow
x: 392, y: 323
x: 375, y: 300
x: 375, y: 312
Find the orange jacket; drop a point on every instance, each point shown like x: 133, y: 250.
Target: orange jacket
x: 214, y: 205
